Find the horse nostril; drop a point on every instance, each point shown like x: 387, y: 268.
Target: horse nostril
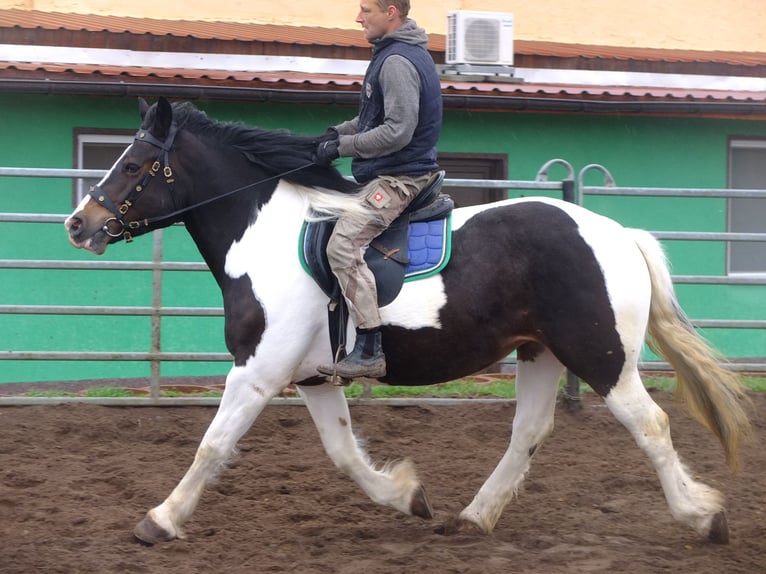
x: 73, y: 224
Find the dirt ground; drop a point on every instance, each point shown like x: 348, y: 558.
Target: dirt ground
x: 74, y: 479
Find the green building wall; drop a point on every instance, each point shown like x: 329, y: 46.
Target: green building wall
x: 37, y: 131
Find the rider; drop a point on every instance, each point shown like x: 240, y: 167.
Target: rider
x: 392, y: 141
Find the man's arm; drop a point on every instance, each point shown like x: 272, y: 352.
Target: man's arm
x: 401, y: 99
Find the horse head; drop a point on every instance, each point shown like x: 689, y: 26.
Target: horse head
x: 136, y: 194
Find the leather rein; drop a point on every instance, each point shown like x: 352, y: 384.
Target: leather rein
x: 128, y: 228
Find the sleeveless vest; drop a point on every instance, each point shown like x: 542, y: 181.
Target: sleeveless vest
x: 418, y: 156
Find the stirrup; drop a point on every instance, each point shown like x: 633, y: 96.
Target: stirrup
x: 335, y: 379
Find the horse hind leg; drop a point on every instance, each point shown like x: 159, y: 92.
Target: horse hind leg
x: 395, y: 485
x: 692, y: 503
x: 537, y: 377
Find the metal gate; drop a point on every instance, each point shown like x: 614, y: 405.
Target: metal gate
x: 155, y: 356
x: 610, y: 188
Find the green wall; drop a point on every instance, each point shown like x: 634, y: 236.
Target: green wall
x: 37, y: 131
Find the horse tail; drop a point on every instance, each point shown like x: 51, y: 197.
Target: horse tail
x: 712, y: 393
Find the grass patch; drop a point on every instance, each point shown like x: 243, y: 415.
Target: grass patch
x: 204, y: 393
x: 461, y: 388
x: 109, y: 392
x: 757, y: 384
x: 117, y: 393
x: 48, y: 393
x: 98, y: 392
x: 505, y: 388
x: 469, y: 387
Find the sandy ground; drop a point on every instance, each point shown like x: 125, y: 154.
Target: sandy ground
x: 74, y: 479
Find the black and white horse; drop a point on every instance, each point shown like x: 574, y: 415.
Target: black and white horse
x: 564, y: 287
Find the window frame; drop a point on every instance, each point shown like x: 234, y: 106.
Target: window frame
x: 491, y: 166
x: 84, y: 136
x: 734, y: 143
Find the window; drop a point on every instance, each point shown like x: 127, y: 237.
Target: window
x: 474, y: 166
x: 96, y: 149
x: 747, y: 170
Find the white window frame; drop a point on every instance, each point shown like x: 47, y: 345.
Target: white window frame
x: 83, y: 138
x: 741, y: 143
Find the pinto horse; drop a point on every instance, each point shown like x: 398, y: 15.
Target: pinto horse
x: 564, y: 287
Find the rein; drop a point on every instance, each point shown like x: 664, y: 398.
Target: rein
x: 104, y: 200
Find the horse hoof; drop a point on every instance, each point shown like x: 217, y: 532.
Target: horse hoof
x: 719, y: 529
x: 149, y: 532
x: 457, y: 525
x: 420, y: 505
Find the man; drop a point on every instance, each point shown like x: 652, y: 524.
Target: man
x: 392, y: 141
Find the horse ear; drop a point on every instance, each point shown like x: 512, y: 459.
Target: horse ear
x: 163, y: 118
x: 143, y: 107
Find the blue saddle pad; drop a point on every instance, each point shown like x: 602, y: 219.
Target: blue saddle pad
x: 428, y: 246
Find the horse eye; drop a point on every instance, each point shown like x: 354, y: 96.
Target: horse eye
x: 131, y: 168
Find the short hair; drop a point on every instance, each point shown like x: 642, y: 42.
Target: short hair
x: 403, y: 6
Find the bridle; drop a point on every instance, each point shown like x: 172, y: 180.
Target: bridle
x: 119, y: 212
x: 126, y: 228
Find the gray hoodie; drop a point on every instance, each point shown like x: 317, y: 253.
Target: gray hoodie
x: 401, y: 89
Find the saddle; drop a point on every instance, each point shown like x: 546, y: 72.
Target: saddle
x: 415, y: 245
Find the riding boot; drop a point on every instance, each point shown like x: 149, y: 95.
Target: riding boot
x: 366, y: 360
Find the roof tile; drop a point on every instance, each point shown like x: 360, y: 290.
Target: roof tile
x: 32, y: 19
x: 346, y: 82
x: 314, y: 82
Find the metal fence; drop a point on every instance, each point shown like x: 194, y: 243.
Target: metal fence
x: 610, y: 188
x: 155, y: 356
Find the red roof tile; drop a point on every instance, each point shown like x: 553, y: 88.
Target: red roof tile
x: 315, y: 81
x: 32, y: 19
x: 474, y: 94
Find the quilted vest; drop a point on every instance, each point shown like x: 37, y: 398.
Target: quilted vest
x: 418, y: 156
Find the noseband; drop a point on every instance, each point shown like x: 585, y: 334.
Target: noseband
x: 119, y: 212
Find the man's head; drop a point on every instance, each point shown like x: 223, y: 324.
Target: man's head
x: 381, y: 17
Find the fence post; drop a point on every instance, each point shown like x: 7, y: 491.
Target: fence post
x: 571, y: 392
x: 156, y: 344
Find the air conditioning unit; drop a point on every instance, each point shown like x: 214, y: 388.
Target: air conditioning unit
x: 484, y: 38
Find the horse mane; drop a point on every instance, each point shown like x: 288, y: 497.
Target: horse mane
x: 277, y: 152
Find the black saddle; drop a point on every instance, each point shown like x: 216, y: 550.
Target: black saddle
x: 388, y: 257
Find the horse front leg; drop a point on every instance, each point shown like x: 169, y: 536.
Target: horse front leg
x: 394, y: 485
x: 241, y: 404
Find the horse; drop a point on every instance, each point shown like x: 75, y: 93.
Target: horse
x: 564, y: 287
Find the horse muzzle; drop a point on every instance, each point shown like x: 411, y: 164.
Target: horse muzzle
x: 91, y: 237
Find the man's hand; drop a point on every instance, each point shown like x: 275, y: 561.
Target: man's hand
x: 326, y: 152
x: 329, y: 134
